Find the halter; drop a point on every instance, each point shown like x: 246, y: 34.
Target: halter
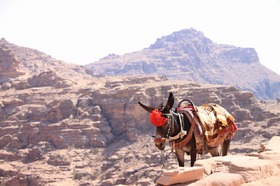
x: 171, y: 122
x: 183, y: 137
x: 182, y: 132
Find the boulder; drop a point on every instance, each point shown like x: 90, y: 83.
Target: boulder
x: 59, y: 160
x: 5, y: 140
x: 271, y: 151
x: 220, y: 179
x: 181, y: 175
x: 250, y: 168
x: 271, y: 181
x: 273, y: 144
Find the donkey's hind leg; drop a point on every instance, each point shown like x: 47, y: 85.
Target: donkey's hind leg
x: 215, y: 151
x: 225, y: 147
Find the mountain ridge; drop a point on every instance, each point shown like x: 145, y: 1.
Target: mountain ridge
x: 189, y: 55
x: 31, y: 62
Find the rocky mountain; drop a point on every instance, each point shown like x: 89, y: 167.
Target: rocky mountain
x: 189, y: 55
x: 22, y: 67
x: 61, y: 126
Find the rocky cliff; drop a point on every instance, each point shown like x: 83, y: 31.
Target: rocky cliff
x: 78, y: 132
x: 189, y: 55
x: 22, y: 67
x: 59, y: 125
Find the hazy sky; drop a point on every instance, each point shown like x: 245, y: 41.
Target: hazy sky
x: 83, y: 31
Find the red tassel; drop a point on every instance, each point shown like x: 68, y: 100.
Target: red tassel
x: 157, y: 119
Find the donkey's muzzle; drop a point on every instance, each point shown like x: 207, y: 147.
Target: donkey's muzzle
x: 160, y: 143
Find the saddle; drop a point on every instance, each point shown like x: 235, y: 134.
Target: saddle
x: 213, y: 124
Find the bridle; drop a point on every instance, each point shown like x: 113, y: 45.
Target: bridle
x: 182, y: 137
x: 171, y: 126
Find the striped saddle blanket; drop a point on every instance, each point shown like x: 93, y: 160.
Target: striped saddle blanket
x: 216, y: 123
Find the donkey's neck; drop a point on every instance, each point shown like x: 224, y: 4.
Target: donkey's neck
x: 176, y: 124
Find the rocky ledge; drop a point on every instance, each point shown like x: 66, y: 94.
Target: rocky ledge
x: 261, y: 168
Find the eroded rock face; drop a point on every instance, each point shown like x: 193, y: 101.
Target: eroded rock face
x: 189, y: 55
x: 9, y: 65
x: 64, y: 116
x: 104, y: 114
x: 47, y: 79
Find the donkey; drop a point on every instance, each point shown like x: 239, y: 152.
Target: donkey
x: 179, y: 128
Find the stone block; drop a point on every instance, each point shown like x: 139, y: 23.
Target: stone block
x: 181, y: 175
x: 253, y: 168
x: 271, y: 155
x: 220, y: 179
x: 273, y: 144
x: 209, y: 165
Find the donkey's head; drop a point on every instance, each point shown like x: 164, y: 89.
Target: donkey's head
x: 159, y: 118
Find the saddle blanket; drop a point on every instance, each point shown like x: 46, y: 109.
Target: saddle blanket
x: 217, y: 124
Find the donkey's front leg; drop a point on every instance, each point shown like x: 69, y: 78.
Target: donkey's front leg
x: 180, y: 157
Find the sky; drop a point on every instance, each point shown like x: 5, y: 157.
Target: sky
x: 83, y: 31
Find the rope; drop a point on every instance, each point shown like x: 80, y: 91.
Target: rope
x: 164, y: 158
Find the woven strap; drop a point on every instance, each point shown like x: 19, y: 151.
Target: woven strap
x: 190, y: 132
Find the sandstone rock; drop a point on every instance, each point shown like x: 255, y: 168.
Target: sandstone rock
x: 66, y: 181
x: 24, y: 180
x: 250, y: 168
x: 208, y: 165
x: 7, y: 172
x: 270, y: 181
x: 182, y: 175
x: 243, y: 114
x: 272, y: 151
x: 187, y: 54
x: 12, y: 102
x: 59, y: 110
x: 56, y: 140
x: 11, y: 156
x: 144, y: 182
x: 220, y: 179
x: 58, y: 160
x: 79, y: 174
x: 120, y: 181
x: 107, y: 182
x: 9, y: 65
x: 5, y: 140
x: 48, y: 78
x: 253, y: 168
x: 273, y: 144
x: 6, y: 86
x: 33, y: 154
x: 271, y: 155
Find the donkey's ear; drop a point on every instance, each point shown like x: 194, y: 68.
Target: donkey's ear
x: 147, y: 108
x: 169, y: 103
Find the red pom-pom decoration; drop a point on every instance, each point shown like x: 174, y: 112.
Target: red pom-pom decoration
x: 157, y: 119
